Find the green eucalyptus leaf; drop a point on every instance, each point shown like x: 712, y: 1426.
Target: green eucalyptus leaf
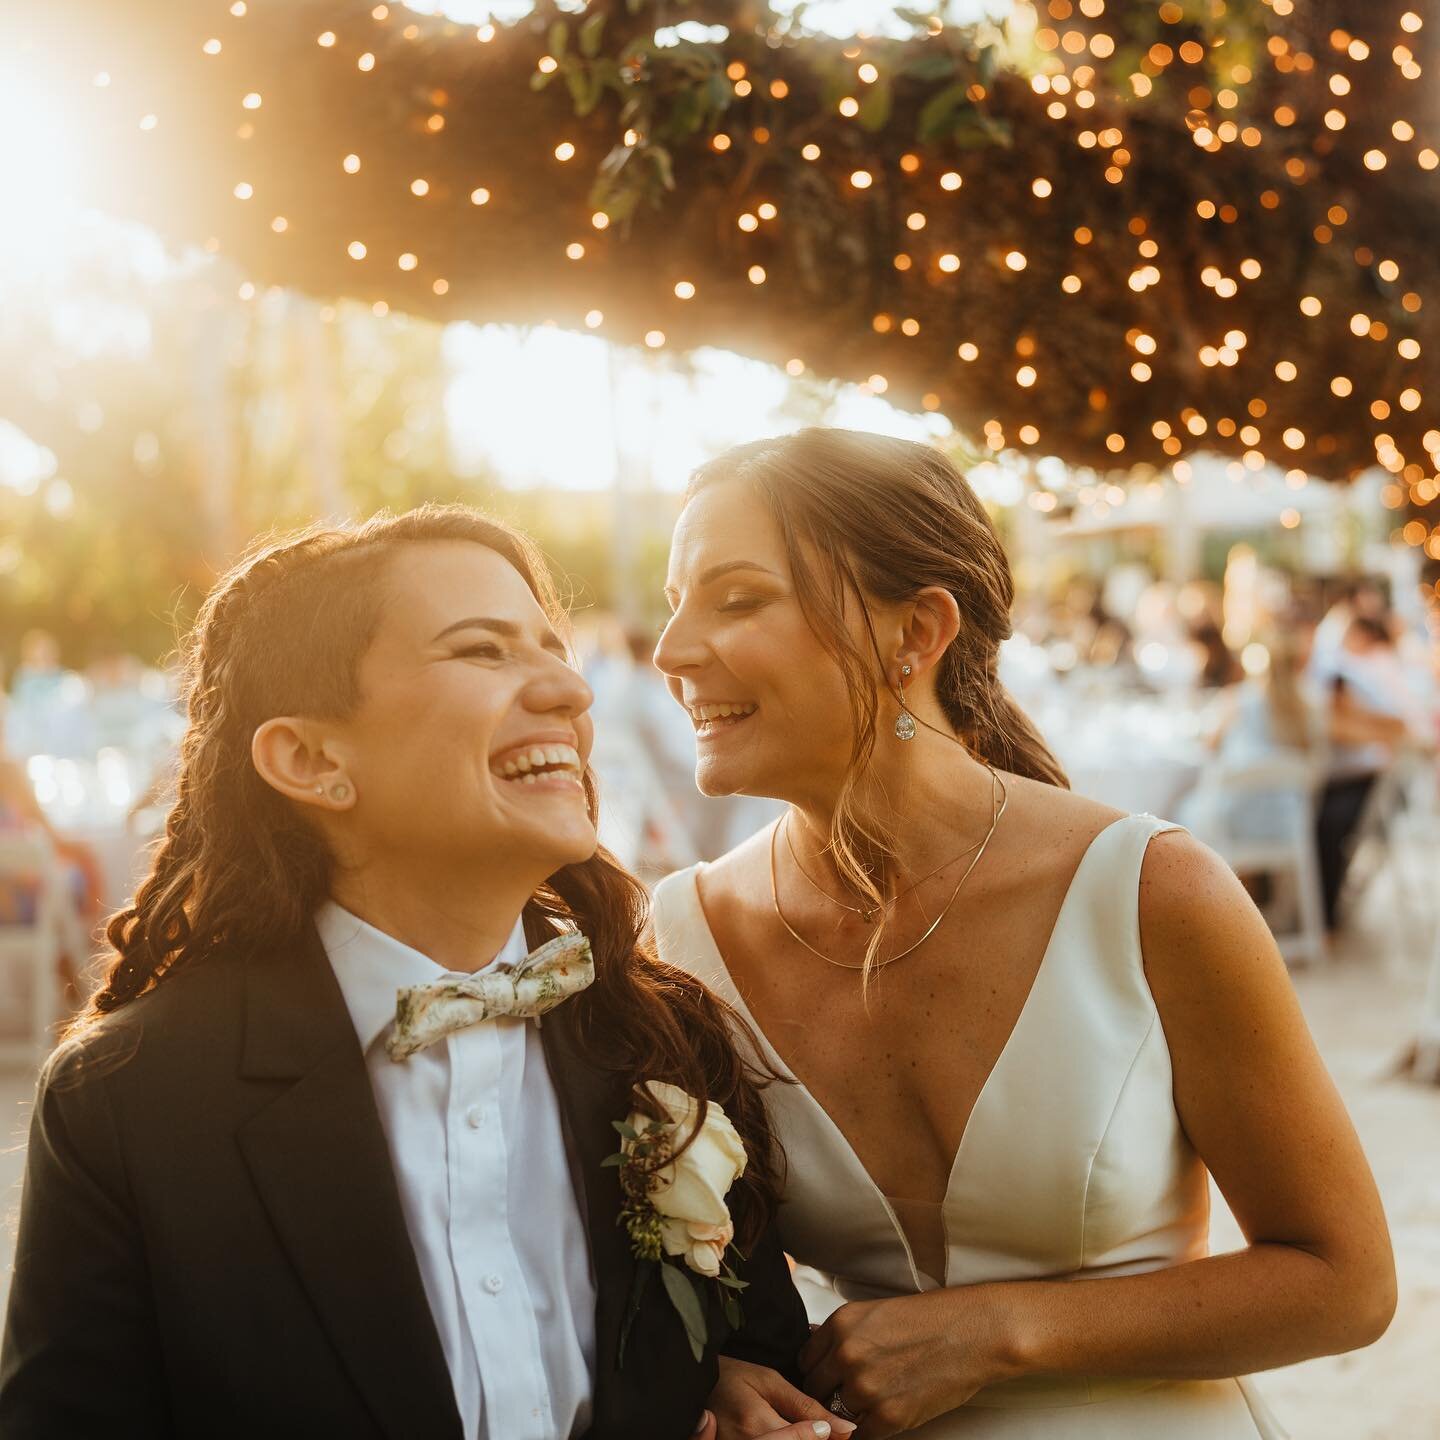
x: 875, y: 107
x: 938, y: 114
x: 590, y: 35
x: 687, y: 1305
x: 718, y: 92
x: 930, y: 67
x: 643, y: 1271
x: 618, y: 158
x: 659, y: 157
x: 559, y: 38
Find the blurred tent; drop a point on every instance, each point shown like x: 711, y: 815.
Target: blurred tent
x: 1112, y: 232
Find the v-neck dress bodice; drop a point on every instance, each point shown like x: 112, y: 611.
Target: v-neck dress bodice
x: 1073, y: 1163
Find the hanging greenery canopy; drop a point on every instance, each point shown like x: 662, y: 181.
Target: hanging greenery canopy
x: 1111, y: 230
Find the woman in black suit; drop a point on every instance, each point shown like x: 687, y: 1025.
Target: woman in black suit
x: 214, y: 1239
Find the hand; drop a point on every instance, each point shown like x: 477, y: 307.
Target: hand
x: 752, y: 1401
x: 898, y: 1363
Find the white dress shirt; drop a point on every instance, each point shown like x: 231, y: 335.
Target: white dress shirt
x: 475, y: 1137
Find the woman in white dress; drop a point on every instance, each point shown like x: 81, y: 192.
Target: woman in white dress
x: 1019, y: 1026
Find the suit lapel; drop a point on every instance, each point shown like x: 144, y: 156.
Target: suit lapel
x: 591, y: 1100
x: 321, y: 1165
x: 661, y: 1390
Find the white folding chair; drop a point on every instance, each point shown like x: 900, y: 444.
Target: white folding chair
x: 1260, y: 818
x: 30, y: 948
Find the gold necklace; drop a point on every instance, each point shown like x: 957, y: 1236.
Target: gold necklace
x: 869, y: 913
x: 999, y: 799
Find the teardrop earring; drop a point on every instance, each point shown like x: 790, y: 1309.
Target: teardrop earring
x: 904, y: 721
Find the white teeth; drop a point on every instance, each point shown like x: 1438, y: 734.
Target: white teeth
x: 526, y: 766
x: 703, y: 713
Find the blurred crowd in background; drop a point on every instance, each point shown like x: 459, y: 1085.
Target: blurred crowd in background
x: 1289, y: 721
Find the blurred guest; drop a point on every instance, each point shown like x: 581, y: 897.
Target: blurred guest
x: 1273, y: 714
x: 1367, y: 722
x: 1361, y: 597
x: 47, y: 712
x: 20, y: 812
x: 1218, y: 666
x: 39, y: 675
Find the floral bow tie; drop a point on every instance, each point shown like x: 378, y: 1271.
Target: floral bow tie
x: 542, y: 980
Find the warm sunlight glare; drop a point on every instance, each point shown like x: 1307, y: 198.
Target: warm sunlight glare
x: 36, y: 168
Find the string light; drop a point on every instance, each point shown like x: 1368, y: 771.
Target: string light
x: 1075, y: 89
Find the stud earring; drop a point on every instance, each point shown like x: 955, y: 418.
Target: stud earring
x: 340, y: 792
x: 904, y: 721
x: 319, y: 789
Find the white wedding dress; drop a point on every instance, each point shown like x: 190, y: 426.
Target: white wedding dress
x: 1073, y: 1165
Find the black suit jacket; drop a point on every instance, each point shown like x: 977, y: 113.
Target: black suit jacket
x: 211, y: 1241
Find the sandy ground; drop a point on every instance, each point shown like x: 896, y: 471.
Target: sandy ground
x: 1361, y: 1008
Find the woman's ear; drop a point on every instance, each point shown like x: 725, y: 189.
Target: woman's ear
x: 930, y: 629
x: 294, y: 760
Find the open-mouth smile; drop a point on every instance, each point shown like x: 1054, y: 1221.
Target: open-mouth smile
x: 549, y: 766
x: 712, y: 720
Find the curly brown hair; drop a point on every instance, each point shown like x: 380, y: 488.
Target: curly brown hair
x: 240, y: 870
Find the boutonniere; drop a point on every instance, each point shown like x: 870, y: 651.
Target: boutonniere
x: 675, y: 1211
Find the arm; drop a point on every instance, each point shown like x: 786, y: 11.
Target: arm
x: 775, y: 1324
x: 756, y: 1395
x: 1351, y: 723
x: 81, y: 1350
x: 1316, y: 1276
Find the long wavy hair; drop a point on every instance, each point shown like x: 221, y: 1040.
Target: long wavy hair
x: 240, y: 870
x: 870, y: 518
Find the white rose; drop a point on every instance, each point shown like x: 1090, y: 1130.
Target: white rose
x: 692, y: 1189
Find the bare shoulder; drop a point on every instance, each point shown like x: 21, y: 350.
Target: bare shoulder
x: 1206, y: 947
x: 1037, y: 802
x: 1046, y: 830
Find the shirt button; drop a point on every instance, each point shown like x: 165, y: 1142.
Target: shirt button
x: 494, y: 1284
x: 474, y: 1117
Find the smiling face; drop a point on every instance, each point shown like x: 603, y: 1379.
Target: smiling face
x: 471, y: 735
x: 769, y: 703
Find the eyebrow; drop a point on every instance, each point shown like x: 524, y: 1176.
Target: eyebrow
x: 506, y: 628
x: 725, y: 567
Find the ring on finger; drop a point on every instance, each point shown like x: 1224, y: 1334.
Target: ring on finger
x: 838, y: 1406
